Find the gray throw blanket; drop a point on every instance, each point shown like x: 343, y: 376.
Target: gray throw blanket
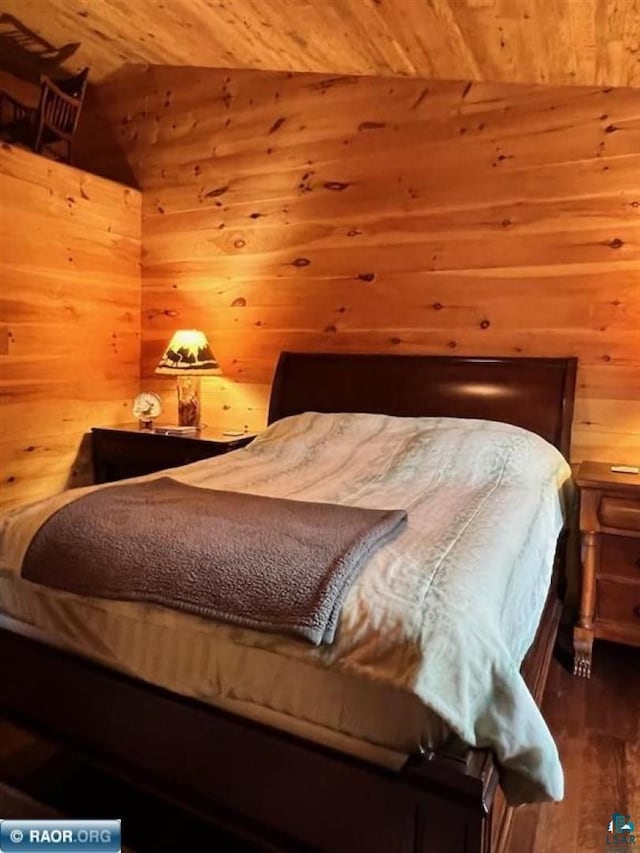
x: 266, y: 563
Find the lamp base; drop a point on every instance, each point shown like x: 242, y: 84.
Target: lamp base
x: 188, y: 388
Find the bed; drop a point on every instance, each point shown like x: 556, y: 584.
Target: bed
x: 284, y: 788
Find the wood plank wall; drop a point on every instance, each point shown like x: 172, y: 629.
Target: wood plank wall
x: 303, y: 211
x: 69, y: 319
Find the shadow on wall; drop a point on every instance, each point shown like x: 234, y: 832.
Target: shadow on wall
x: 25, y: 55
x: 99, y: 139
x: 81, y: 471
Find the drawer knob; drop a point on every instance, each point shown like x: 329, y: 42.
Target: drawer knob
x: 636, y: 610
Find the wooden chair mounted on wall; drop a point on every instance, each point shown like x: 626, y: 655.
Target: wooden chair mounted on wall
x: 54, y: 120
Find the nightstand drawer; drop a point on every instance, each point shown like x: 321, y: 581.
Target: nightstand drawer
x: 621, y: 513
x: 620, y: 556
x: 619, y: 602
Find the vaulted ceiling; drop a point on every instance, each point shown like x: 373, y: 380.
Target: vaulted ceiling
x: 534, y: 41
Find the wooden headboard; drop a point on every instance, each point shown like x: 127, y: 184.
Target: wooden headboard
x: 534, y: 393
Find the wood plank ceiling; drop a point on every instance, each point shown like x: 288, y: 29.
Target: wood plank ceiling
x: 583, y: 42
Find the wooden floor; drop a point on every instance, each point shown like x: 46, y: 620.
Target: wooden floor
x: 596, y: 724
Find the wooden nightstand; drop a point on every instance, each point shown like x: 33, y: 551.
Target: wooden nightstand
x: 127, y: 451
x: 610, y: 582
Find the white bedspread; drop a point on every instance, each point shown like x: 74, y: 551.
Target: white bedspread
x: 445, y: 612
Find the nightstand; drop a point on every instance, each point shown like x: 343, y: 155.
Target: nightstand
x: 127, y: 451
x: 610, y: 578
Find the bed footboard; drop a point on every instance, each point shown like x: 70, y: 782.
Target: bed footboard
x: 262, y: 784
x: 252, y: 780
x: 280, y: 791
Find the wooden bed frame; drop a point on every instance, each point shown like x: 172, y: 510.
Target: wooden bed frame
x: 281, y: 791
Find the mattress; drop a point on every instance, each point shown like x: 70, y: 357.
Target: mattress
x: 432, y: 633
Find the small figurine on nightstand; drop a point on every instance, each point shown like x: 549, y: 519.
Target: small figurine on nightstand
x: 146, y: 407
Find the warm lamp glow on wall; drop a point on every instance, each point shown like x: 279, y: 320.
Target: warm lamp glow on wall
x: 188, y: 357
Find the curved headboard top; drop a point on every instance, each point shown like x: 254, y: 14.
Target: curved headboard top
x: 534, y: 393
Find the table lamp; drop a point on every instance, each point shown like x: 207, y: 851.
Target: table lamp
x: 188, y: 357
